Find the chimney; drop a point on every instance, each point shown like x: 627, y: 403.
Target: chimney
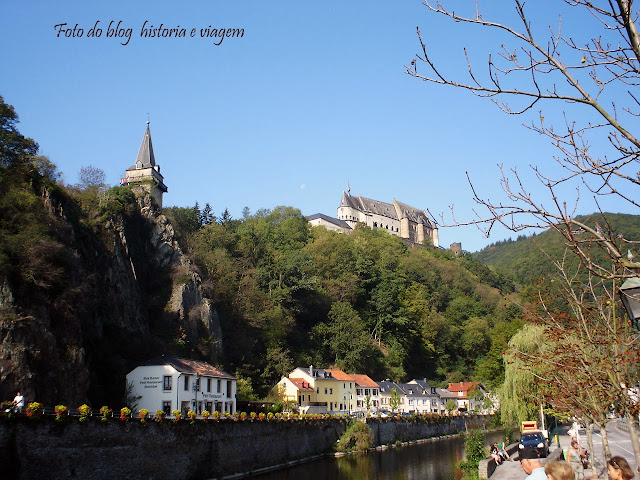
x: 311, y: 370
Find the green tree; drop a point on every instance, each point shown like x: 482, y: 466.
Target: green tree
x: 450, y: 406
x: 15, y: 149
x: 395, y: 400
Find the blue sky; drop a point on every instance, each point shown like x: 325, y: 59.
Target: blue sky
x: 312, y: 97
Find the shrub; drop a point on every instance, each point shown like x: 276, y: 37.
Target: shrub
x: 358, y: 436
x: 160, y: 414
x: 85, y: 412
x: 61, y: 412
x: 474, y: 452
x: 125, y: 413
x: 177, y: 414
x: 142, y: 415
x: 34, y: 409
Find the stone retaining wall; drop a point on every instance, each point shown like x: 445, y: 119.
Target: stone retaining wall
x: 42, y: 449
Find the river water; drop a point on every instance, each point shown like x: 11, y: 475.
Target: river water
x: 433, y: 460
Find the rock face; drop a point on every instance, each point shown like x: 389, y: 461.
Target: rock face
x: 100, y: 300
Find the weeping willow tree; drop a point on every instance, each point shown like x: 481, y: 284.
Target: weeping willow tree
x: 520, y: 382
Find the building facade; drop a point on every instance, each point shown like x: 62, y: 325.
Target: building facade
x: 397, y: 218
x: 170, y: 383
x: 367, y: 394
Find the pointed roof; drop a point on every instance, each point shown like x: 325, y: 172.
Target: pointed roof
x: 146, y: 158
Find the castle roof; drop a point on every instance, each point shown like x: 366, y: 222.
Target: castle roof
x: 413, y: 214
x: 146, y: 158
x: 368, y: 205
x: 395, y: 210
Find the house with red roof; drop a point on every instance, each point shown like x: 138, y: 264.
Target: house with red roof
x: 367, y: 393
x: 171, y: 383
x: 464, y: 395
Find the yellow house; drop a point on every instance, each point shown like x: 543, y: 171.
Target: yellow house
x: 330, y: 392
x: 297, y: 390
x: 346, y: 390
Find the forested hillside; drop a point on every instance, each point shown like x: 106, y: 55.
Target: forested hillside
x: 294, y: 296
x: 94, y: 280
x: 530, y: 259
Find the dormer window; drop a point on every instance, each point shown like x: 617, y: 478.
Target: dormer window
x: 138, y: 165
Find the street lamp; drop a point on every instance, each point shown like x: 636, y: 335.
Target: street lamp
x: 630, y: 295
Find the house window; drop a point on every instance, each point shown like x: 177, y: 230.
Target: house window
x: 366, y: 392
x: 325, y: 390
x: 208, y: 406
x: 166, y: 383
x: 350, y: 385
x: 318, y: 390
x: 228, y: 388
x: 359, y: 392
x: 331, y: 391
x: 166, y: 406
x: 186, y: 383
x: 375, y: 392
x: 219, y: 386
x: 208, y: 385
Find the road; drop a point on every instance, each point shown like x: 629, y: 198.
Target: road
x: 619, y: 443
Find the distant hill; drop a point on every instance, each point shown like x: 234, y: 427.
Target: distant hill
x: 528, y: 259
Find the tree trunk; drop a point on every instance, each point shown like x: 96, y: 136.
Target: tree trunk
x: 606, y: 451
x: 592, y: 462
x: 633, y: 432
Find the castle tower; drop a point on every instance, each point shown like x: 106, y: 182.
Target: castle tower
x: 145, y: 173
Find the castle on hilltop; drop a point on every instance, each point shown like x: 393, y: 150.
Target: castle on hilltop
x: 404, y: 221
x: 145, y: 173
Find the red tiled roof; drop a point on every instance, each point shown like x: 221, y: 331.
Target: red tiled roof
x: 364, y: 381
x: 464, y: 387
x: 301, y: 384
x: 340, y: 375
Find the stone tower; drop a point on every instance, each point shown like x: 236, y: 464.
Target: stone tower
x: 145, y: 174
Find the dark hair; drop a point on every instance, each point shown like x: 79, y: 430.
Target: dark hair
x: 619, y: 463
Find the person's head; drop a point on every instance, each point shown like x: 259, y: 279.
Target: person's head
x: 559, y: 471
x: 574, y: 444
x: 529, y: 460
x: 619, y: 469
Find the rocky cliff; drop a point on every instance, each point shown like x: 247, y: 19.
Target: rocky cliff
x: 91, y: 299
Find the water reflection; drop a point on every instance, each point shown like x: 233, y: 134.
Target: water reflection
x: 435, y: 460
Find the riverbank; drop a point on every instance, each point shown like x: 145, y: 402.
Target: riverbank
x: 188, y: 450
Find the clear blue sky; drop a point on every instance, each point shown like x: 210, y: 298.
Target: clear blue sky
x: 312, y: 97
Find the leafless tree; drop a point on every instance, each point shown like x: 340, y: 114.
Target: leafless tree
x: 599, y: 73
x: 595, y: 77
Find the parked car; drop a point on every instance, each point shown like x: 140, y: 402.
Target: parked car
x: 534, y: 441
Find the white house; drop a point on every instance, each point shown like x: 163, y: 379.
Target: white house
x: 171, y: 383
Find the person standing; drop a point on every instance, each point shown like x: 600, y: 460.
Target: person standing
x: 530, y: 463
x: 18, y: 403
x: 619, y: 469
x: 574, y: 457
